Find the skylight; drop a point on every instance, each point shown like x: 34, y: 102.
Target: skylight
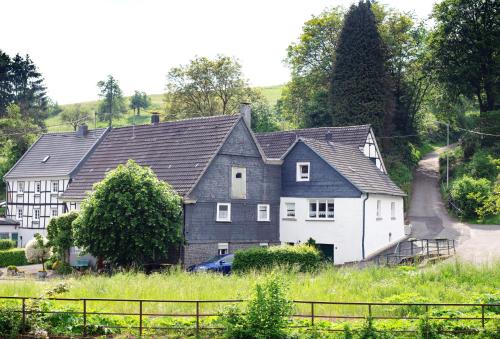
x: 45, y: 159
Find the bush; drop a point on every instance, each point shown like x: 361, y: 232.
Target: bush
x: 6, y: 244
x: 60, y: 234
x: 469, y: 194
x: 14, y: 257
x: 483, y: 165
x: 305, y: 257
x: 491, y: 205
x: 10, y: 322
x: 38, y: 250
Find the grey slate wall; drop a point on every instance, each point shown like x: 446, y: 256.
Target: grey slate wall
x: 324, y: 182
x: 263, y: 187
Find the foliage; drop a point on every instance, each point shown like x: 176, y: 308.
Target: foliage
x: 483, y: 165
x: 112, y: 104
x: 6, y: 244
x: 10, y: 322
x: 305, y: 257
x: 359, y: 90
x: 75, y: 116
x: 206, y: 87
x: 491, y: 204
x: 138, y: 217
x: 469, y: 193
x: 264, y: 119
x: 38, y: 250
x: 60, y: 234
x: 139, y: 100
x: 14, y: 256
x: 465, y: 45
x: 267, y: 314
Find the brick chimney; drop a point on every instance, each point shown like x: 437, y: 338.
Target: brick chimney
x: 155, y: 118
x: 82, y: 131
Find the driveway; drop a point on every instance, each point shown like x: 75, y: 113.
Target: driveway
x: 430, y: 219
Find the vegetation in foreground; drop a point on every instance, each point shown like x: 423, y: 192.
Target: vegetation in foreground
x: 450, y: 282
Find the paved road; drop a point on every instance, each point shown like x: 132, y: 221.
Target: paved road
x: 430, y: 220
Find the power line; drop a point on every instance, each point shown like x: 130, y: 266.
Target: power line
x: 480, y: 133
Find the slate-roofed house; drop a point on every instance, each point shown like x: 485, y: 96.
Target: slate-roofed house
x: 34, y: 184
x: 210, y: 162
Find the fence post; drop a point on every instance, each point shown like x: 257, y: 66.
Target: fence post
x: 370, y: 310
x: 437, y: 245
x: 197, y: 318
x: 140, y: 318
x: 24, y: 315
x: 312, y: 314
x: 427, y: 326
x: 84, y: 317
x: 427, y: 245
x: 454, y: 250
x: 482, y: 315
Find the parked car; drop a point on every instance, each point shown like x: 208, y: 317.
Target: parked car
x: 219, y: 263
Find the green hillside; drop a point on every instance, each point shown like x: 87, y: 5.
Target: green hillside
x: 54, y: 123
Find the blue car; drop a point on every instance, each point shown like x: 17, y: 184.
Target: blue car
x: 219, y: 263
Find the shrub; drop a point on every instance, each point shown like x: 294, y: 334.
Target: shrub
x: 15, y: 256
x: 469, y: 193
x: 483, y: 165
x: 491, y: 205
x: 267, y: 313
x: 6, y: 244
x: 303, y: 256
x: 38, y: 250
x: 10, y: 322
x: 60, y: 234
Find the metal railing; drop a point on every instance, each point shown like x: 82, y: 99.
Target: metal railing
x: 309, y: 310
x: 416, y: 250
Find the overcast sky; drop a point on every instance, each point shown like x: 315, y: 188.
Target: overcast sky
x: 77, y: 43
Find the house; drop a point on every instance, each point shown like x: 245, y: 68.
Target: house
x: 242, y: 189
x: 9, y: 229
x: 231, y: 192
x: 35, y: 183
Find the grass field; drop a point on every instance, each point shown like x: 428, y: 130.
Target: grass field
x: 54, y: 123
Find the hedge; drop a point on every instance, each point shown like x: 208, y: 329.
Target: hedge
x: 14, y: 256
x: 304, y: 257
x: 6, y: 244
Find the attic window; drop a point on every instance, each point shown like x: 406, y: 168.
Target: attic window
x: 352, y: 169
x: 45, y: 159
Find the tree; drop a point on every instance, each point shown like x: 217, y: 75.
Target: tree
x: 206, y: 87
x: 112, y: 104
x: 60, y: 234
x: 75, y: 116
x: 465, y: 47
x: 359, y: 86
x: 139, y: 100
x: 131, y: 217
x: 38, y: 250
x: 264, y: 119
x: 5, y: 83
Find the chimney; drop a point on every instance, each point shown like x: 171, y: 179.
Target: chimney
x: 329, y: 136
x: 155, y: 118
x: 246, y: 113
x: 82, y: 131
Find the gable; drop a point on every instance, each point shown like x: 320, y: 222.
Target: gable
x: 240, y: 142
x: 324, y: 181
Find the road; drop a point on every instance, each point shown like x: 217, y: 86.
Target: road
x: 430, y: 220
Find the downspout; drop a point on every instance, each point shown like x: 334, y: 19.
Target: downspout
x: 364, y: 222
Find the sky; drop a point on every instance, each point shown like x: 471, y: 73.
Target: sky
x: 79, y: 42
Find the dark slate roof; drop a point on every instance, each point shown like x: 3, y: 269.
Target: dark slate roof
x: 275, y: 144
x: 65, y: 150
x: 349, y: 161
x: 178, y: 152
x: 8, y: 222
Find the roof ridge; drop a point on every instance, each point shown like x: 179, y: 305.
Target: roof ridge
x: 182, y: 120
x: 73, y: 132
x: 313, y: 128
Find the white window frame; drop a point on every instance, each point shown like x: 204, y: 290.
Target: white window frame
x: 288, y: 210
x: 222, y: 248
x: 20, y: 216
x: 56, y: 183
x: 268, y: 212
x: 20, y: 187
x: 327, y: 203
x: 393, y: 210
x: 36, y: 216
x: 264, y: 244
x: 298, y: 171
x: 228, y: 219
x: 379, y: 209
x: 38, y: 187
x: 52, y: 210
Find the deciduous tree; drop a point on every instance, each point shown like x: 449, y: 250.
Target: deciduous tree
x: 75, y: 116
x: 112, y: 104
x: 139, y: 100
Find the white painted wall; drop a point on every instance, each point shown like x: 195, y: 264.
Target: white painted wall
x: 384, y: 230
x: 344, y: 231
x: 7, y: 231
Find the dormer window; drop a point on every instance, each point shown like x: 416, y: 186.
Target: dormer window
x: 303, y: 171
x: 45, y: 159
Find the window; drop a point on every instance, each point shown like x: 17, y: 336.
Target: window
x: 44, y: 160
x: 264, y: 244
x: 393, y: 210
x: 20, y: 187
x: 321, y: 209
x: 303, y: 169
x: 223, y: 212
x: 262, y: 212
x: 290, y: 209
x: 223, y: 248
x: 55, y: 186
x: 238, y: 183
x: 38, y: 187
x: 54, y: 212
x: 36, y: 214
x: 4, y: 236
x: 20, y: 213
x: 379, y: 209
